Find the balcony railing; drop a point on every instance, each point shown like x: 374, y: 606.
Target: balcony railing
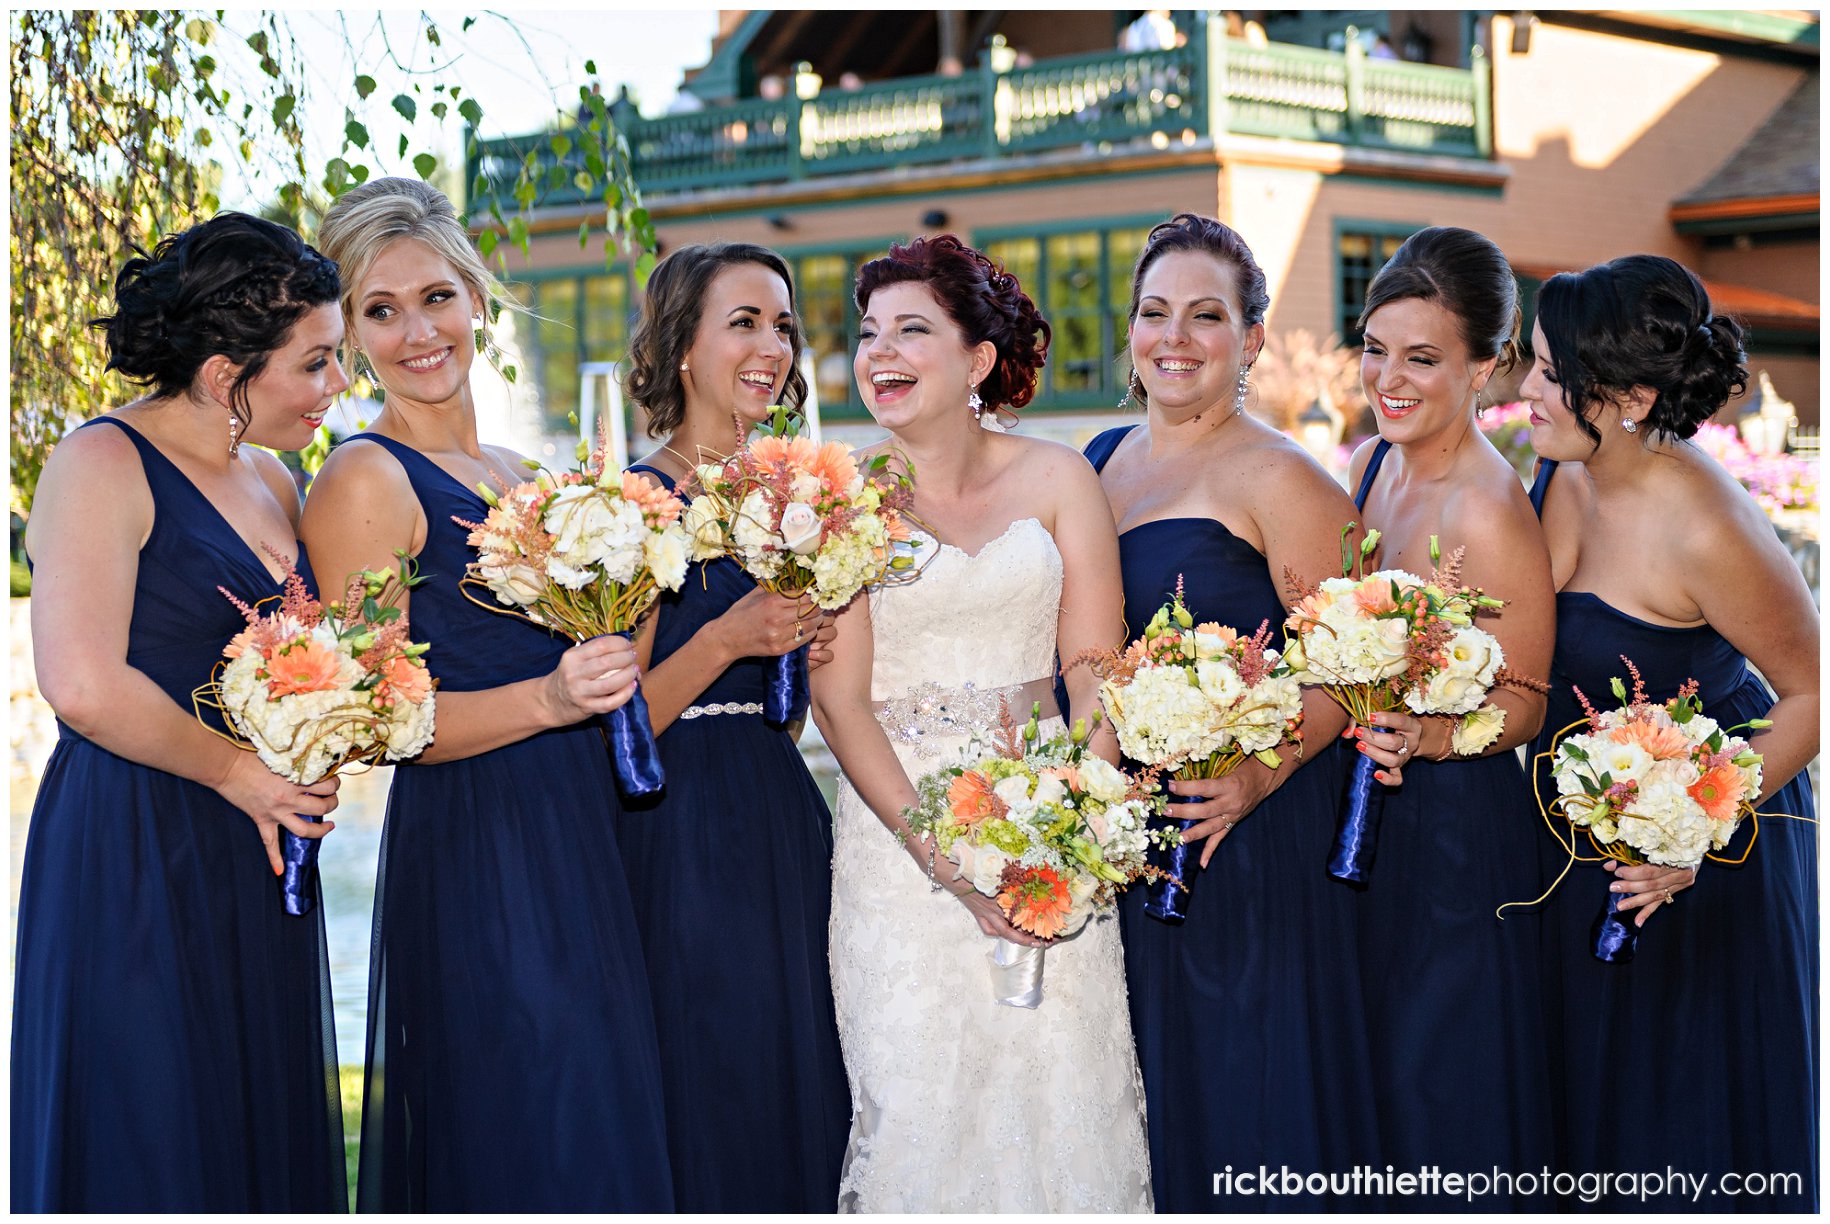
x: 1209, y: 87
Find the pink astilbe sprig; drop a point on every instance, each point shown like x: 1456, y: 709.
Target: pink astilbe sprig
x: 1252, y: 661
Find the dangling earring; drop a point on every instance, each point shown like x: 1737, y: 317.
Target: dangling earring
x: 1239, y: 396
x: 1629, y: 424
x: 1130, y: 383
x: 234, y: 436
x: 1480, y: 409
x: 976, y: 404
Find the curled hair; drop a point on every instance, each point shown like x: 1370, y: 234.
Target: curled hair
x: 1188, y: 231
x: 1641, y: 321
x: 235, y: 285
x: 984, y: 301
x: 671, y: 310
x: 369, y: 217
x: 1464, y: 273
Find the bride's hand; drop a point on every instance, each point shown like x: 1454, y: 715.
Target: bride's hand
x: 991, y: 920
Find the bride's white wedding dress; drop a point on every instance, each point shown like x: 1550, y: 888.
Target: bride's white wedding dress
x: 962, y: 1104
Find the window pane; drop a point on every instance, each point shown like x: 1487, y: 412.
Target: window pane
x: 606, y: 321
x: 1022, y: 258
x: 1360, y: 256
x: 823, y: 286
x: 556, y: 333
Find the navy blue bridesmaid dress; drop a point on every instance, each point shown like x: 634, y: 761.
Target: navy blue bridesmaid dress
x: 172, y: 1039
x: 1247, y: 1016
x: 1454, y: 996
x: 1700, y: 1054
x: 730, y: 870
x: 512, y: 1063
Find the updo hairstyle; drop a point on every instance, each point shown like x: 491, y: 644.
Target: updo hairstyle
x: 1188, y: 231
x: 234, y: 285
x: 370, y: 216
x: 1465, y: 274
x: 1641, y: 321
x: 984, y: 301
x: 671, y: 310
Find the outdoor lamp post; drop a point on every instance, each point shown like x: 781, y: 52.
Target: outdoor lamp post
x: 1315, y: 430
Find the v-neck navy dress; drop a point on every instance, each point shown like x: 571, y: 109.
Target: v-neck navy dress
x: 512, y: 1063
x: 173, y: 1049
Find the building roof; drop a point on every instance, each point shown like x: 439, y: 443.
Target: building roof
x: 1779, y: 160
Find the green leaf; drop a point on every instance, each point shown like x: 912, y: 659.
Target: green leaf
x: 403, y: 145
x: 360, y: 173
x: 439, y: 109
x: 508, y: 374
x: 468, y: 22
x: 206, y: 64
x: 365, y: 85
x: 425, y: 164
x: 432, y: 35
x: 486, y: 242
x: 472, y: 112
x: 356, y: 134
x: 590, y: 67
x: 644, y: 264
x: 517, y: 232
x: 584, y: 234
x: 561, y: 143
x: 258, y: 41
x: 407, y: 107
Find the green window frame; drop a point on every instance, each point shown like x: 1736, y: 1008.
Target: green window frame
x: 1360, y: 250
x: 575, y: 315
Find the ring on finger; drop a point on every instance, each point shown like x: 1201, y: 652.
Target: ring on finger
x: 1667, y: 893
x: 1404, y: 744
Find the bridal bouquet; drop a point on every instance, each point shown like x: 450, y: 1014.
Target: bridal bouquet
x: 1388, y: 640
x: 801, y: 519
x: 1652, y: 783
x: 1196, y: 701
x: 1048, y: 830
x: 311, y: 690
x: 584, y: 554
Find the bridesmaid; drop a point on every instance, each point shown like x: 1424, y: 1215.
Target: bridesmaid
x: 172, y: 1045
x: 1248, y: 1016
x: 512, y: 1063
x: 1721, y: 997
x: 1453, y: 995
x: 731, y: 870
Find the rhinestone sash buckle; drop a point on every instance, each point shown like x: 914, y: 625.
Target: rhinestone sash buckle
x: 722, y: 707
x: 932, y: 711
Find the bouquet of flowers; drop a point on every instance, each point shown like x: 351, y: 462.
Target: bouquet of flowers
x: 801, y: 519
x: 584, y: 554
x: 311, y: 690
x: 1050, y: 831
x: 1195, y: 701
x: 1652, y: 782
x: 1392, y: 639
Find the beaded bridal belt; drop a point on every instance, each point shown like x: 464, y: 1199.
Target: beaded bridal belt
x: 940, y: 711
x: 722, y: 707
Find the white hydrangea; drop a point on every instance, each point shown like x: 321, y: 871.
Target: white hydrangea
x: 664, y: 552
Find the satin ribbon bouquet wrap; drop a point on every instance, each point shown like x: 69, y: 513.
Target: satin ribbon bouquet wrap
x: 1196, y: 701
x: 312, y: 690
x: 1042, y: 826
x: 1392, y: 640
x: 802, y: 519
x: 1650, y: 782
x: 585, y: 554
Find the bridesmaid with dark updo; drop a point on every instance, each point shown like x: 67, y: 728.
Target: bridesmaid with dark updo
x: 1701, y: 1053
x: 172, y: 1044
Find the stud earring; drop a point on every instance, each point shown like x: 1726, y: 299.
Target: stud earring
x: 685, y: 369
x: 976, y: 404
x: 1629, y: 424
x: 234, y: 436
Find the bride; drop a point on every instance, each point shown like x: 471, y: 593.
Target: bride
x: 960, y: 1104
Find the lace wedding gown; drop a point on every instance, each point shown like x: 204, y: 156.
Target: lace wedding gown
x: 961, y: 1104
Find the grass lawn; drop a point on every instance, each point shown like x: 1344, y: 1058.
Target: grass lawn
x: 349, y: 1084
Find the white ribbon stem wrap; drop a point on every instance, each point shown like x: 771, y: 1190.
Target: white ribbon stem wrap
x: 1016, y: 974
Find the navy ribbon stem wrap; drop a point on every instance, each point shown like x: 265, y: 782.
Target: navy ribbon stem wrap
x: 787, y: 697
x: 1163, y: 900
x: 1615, y: 937
x: 298, y: 869
x: 632, y: 748
x: 1357, y: 837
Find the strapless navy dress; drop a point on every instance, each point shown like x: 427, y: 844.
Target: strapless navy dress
x: 1700, y: 1055
x: 172, y: 1039
x: 1454, y: 996
x: 730, y: 870
x: 1247, y: 1016
x: 512, y: 1063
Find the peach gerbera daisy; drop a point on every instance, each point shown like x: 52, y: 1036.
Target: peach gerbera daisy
x: 1375, y: 596
x: 658, y: 506
x: 1035, y: 899
x: 308, y: 667
x: 971, y: 799
x: 1661, y: 743
x: 405, y: 680
x: 1720, y: 791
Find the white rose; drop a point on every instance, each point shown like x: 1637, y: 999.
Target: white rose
x: 804, y: 487
x: 800, y: 528
x: 1013, y: 791
x: 514, y: 584
x: 751, y: 531
x: 665, y: 554
x: 1102, y: 781
x: 1049, y: 789
x: 580, y: 519
x: 704, y: 529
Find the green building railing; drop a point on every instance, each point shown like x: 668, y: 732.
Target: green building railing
x: 1214, y: 85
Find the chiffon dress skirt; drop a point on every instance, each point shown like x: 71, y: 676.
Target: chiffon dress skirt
x: 512, y: 1063
x: 1699, y: 1055
x: 730, y: 871
x: 1247, y: 1016
x: 1454, y: 995
x: 172, y: 1039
